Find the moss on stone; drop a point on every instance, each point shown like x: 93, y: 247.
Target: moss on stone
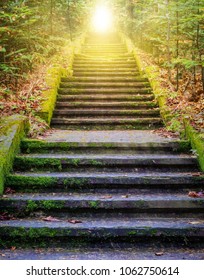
x: 197, y: 142
x: 53, y: 79
x: 94, y: 204
x: 25, y: 163
x: 31, y: 206
x: 30, y: 181
x: 30, y: 145
x: 12, y: 130
x: 50, y: 204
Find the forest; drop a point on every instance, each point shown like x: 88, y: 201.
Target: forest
x: 169, y: 33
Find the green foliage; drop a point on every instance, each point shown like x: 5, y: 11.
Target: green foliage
x: 171, y: 30
x: 31, y: 31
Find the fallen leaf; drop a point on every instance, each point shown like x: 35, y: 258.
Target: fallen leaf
x: 74, y: 221
x: 106, y: 197
x: 9, y: 191
x: 196, y: 194
x: 50, y: 219
x: 196, y: 222
x: 5, y: 216
x: 125, y: 196
x: 13, y: 248
x: 197, y: 174
x: 159, y: 254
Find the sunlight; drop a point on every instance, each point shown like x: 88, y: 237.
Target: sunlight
x: 102, y: 19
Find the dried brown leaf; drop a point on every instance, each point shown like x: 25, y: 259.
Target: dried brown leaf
x: 5, y: 217
x: 50, y: 219
x: 74, y: 221
x: 159, y: 254
x: 9, y: 191
x: 196, y: 222
x: 106, y: 197
x: 196, y: 194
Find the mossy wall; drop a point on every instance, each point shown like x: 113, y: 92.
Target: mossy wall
x: 152, y: 73
x: 53, y: 78
x: 12, y: 130
x: 197, y: 142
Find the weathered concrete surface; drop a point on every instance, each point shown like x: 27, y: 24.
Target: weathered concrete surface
x: 137, y: 136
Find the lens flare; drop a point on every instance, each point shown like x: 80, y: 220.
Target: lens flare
x: 102, y: 19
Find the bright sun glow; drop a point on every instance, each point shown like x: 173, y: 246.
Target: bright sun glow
x: 102, y: 19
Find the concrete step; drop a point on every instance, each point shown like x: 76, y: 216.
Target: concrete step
x: 85, y: 58
x: 108, y: 56
x: 105, y: 90
x: 109, y: 74
x: 107, y: 105
x: 105, y: 97
x: 36, y: 229
x: 111, y: 112
x: 110, y: 64
x: 106, y: 163
x: 108, y: 250
x: 147, y: 143
x: 105, y: 69
x: 104, y: 85
x: 104, y: 61
x: 100, y: 160
x: 99, y: 123
x: 104, y: 51
x: 104, y: 79
x: 63, y: 181
x: 64, y: 205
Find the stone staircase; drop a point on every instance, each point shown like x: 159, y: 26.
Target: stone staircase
x: 103, y: 194
x: 106, y: 91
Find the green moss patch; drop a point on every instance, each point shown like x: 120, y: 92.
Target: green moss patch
x: 197, y: 142
x: 53, y: 78
x: 12, y: 130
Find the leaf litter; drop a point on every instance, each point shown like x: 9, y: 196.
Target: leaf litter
x: 196, y: 194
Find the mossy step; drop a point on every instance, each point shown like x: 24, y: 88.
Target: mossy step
x: 109, y: 74
x: 99, y: 84
x: 24, y: 203
x: 148, y: 146
x: 105, y: 163
x: 104, y: 79
x: 102, y: 51
x: 105, y: 69
x: 107, y: 250
x: 104, y: 127
x: 88, y: 59
x: 104, y: 61
x: 46, y: 165
x: 104, y: 44
x: 139, y: 161
x: 105, y: 97
x: 109, y: 55
x: 97, y: 121
x: 99, y: 112
x: 58, y: 181
x: 109, y: 104
x: 28, y: 229
x: 113, y: 90
x: 110, y: 64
